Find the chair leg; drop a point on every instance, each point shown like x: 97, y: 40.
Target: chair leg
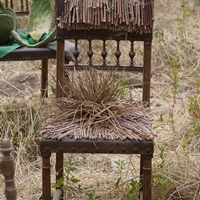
x: 146, y: 162
x: 147, y: 72
x: 46, y: 181
x: 60, y: 57
x: 59, y: 165
x: 141, y: 177
x: 44, y: 78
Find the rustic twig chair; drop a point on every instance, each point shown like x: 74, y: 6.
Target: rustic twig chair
x: 7, y: 168
x: 104, y: 29
x: 25, y: 53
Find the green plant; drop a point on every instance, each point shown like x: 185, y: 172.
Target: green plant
x: 120, y: 166
x: 131, y: 186
x: 162, y: 164
x: 68, y: 181
x: 182, y: 23
x: 91, y: 195
x: 53, y: 89
x: 164, y: 184
x: 194, y: 109
x: 123, y: 82
x: 159, y: 34
x: 174, y: 76
x: 132, y: 190
x: 161, y: 155
x: 160, y: 179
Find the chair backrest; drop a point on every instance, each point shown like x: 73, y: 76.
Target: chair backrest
x: 118, y: 20
x: 21, y: 7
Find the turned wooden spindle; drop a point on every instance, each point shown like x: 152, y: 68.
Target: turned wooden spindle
x: 90, y: 53
x: 117, y: 54
x: 132, y: 54
x: 8, y: 169
x: 76, y: 53
x: 104, y: 53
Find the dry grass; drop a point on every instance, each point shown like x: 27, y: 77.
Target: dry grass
x: 96, y: 106
x: 179, y: 168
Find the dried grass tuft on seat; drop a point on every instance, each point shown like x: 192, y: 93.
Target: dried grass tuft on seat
x: 96, y: 106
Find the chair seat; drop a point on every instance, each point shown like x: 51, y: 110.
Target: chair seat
x: 25, y: 53
x: 70, y: 135
x: 46, y: 52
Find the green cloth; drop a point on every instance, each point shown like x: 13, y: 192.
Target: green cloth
x: 4, y: 50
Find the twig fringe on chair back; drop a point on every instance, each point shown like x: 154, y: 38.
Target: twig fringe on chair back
x: 115, y: 15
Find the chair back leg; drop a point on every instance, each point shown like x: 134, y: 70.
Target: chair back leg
x: 44, y: 78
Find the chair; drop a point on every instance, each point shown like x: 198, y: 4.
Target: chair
x: 77, y: 29
x: 7, y: 168
x: 24, y: 53
x: 41, y: 53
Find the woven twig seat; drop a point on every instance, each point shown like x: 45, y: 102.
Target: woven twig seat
x: 133, y: 126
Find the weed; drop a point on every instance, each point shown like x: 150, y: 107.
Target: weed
x: 53, y: 90
x: 132, y: 186
x: 123, y: 82
x: 132, y: 190
x: 159, y: 34
x: 120, y: 166
x: 194, y: 109
x: 182, y: 24
x: 91, y: 195
x: 68, y: 181
x: 174, y: 78
x: 163, y: 164
x: 164, y: 184
x: 185, y: 46
x: 161, y: 182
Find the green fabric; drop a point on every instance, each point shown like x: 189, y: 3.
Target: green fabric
x: 4, y: 50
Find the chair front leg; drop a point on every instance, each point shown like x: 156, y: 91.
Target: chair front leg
x: 147, y: 172
x: 46, y: 181
x: 141, y: 177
